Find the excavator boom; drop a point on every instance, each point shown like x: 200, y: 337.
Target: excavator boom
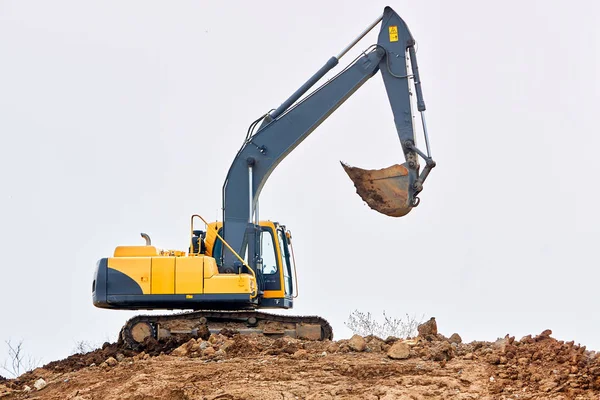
x: 392, y: 191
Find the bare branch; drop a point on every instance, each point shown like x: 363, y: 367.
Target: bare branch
x: 83, y: 347
x: 364, y: 324
x: 18, y: 363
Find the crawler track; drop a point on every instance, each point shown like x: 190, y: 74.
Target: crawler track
x: 261, y: 323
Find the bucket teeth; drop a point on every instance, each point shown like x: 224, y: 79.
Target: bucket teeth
x: 384, y: 190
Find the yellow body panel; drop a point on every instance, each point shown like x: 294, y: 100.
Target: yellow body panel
x: 163, y: 275
x: 211, y: 237
x: 189, y: 274
x: 229, y: 283
x: 135, y: 251
x: 210, y: 267
x: 137, y: 268
x: 171, y: 272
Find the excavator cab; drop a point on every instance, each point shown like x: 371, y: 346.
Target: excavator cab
x: 276, y: 261
x: 276, y: 269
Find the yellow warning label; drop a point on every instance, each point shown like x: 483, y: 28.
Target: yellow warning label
x: 393, y: 33
x: 189, y: 296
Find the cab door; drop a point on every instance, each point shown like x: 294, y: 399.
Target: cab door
x: 271, y: 264
x: 286, y: 264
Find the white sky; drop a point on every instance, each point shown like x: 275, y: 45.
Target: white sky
x: 122, y: 117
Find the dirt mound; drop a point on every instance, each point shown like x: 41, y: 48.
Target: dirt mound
x: 232, y: 366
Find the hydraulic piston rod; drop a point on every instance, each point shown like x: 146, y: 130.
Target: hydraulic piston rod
x: 332, y: 62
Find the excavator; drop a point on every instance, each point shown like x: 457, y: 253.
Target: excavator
x: 235, y: 267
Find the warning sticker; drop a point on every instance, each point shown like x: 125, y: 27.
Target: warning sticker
x: 393, y: 33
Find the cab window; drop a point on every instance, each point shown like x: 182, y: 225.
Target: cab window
x: 268, y: 252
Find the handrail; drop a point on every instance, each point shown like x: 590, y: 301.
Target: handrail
x: 294, y: 261
x: 255, y: 293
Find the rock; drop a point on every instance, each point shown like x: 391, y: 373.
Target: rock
x: 428, y: 329
x: 111, y: 362
x: 333, y: 347
x: 544, y: 335
x: 40, y: 384
x: 455, y: 338
x: 194, y: 347
x: 501, y: 344
x: 120, y: 357
x: 220, y: 354
x: 186, y: 348
x: 228, y: 343
x: 574, y: 369
x: 357, y: 343
x: 209, y: 352
x: 469, y: 356
x: 523, y: 361
x: 300, y: 354
x: 399, y: 351
x: 27, y: 388
x: 391, y: 340
x: 286, y: 345
x: 493, y: 358
x: 442, y: 351
x: 547, y: 385
x: 104, y: 365
x: 376, y: 345
x: 203, y: 332
x: 92, y: 365
x: 527, y: 339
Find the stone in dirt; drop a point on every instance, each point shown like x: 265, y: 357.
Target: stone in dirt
x: 357, y: 343
x: 111, y: 362
x: 544, y: 335
x: 428, y: 329
x: 442, y: 351
x: 40, y: 384
x: 186, y: 348
x: 300, y: 354
x: 455, y: 338
x: 399, y: 351
x: 209, y: 351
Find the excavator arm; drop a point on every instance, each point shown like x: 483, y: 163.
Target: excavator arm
x: 392, y: 191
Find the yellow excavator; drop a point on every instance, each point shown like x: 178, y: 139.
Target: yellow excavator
x: 238, y: 266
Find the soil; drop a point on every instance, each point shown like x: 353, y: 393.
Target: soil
x: 384, y: 190
x: 255, y: 367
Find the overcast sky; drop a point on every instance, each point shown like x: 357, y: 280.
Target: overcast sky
x: 120, y: 117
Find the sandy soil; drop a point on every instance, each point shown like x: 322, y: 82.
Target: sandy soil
x: 237, y: 367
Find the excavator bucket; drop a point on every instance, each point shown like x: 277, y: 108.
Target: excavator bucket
x: 384, y: 190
